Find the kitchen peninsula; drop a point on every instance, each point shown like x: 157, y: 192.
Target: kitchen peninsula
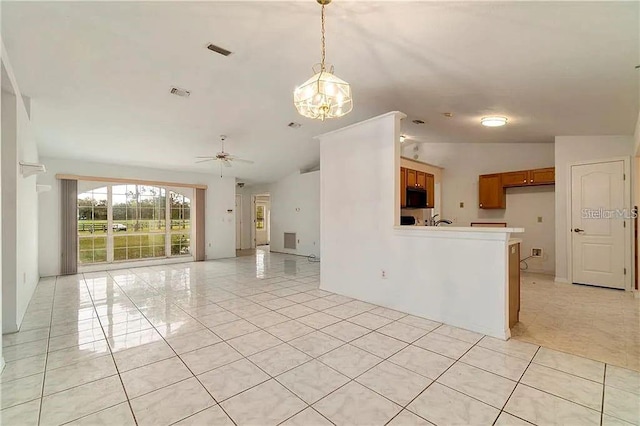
x: 455, y: 275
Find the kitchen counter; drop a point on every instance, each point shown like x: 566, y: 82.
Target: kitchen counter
x: 447, y: 228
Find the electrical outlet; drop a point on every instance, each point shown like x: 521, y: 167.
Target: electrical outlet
x: 383, y: 274
x: 461, y: 204
x: 539, y: 219
x: 536, y: 252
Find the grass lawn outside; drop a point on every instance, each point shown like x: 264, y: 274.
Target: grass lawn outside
x: 92, y: 247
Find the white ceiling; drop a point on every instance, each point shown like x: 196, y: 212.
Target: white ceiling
x: 99, y: 74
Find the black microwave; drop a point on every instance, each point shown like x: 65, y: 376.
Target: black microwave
x: 416, y: 198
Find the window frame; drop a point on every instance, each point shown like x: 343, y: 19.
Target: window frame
x: 186, y: 193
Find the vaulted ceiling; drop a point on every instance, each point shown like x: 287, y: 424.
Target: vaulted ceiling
x: 99, y: 74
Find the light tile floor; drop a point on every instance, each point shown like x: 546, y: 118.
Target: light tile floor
x: 597, y: 323
x: 253, y: 341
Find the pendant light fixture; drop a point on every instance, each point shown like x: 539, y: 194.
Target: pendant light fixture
x: 324, y: 95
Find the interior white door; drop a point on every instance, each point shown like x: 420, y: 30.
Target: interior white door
x: 598, y: 224
x: 238, y: 221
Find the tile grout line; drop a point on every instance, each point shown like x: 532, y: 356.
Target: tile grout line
x: 126, y: 395
x: 435, y: 380
x: 516, y: 386
x: 46, y: 359
x: 181, y: 360
x: 248, y: 360
x: 604, y: 389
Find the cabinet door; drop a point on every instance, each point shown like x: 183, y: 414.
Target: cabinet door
x: 520, y: 178
x: 421, y: 179
x: 430, y: 190
x: 542, y: 176
x: 411, y: 178
x: 403, y: 187
x: 491, y: 192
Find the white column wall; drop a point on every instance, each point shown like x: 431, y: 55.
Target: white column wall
x: 457, y: 276
x: 19, y: 203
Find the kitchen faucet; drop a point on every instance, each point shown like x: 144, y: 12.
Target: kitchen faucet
x: 448, y: 222
x: 432, y: 221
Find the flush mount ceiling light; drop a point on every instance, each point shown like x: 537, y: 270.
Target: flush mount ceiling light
x: 324, y: 95
x: 493, y: 121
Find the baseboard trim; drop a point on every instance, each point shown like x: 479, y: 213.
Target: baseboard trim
x: 561, y: 280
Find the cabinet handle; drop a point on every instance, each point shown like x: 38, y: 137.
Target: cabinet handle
x: 480, y: 204
x: 531, y: 181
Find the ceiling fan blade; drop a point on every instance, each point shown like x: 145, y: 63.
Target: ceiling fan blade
x: 206, y: 156
x: 227, y: 163
x: 207, y: 159
x: 240, y: 160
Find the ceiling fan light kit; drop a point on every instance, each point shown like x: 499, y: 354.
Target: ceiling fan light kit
x: 493, y: 121
x: 324, y: 95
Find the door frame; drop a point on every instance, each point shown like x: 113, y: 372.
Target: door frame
x: 239, y: 214
x: 628, y: 249
x: 253, y: 216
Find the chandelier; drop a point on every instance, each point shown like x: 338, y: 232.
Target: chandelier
x: 324, y: 95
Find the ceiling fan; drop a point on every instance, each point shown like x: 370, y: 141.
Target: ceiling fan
x: 224, y: 158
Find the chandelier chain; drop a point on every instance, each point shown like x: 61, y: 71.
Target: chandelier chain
x: 323, y: 42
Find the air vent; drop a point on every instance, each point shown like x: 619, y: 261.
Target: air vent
x: 218, y: 49
x: 180, y: 92
x: 290, y: 240
x: 294, y: 125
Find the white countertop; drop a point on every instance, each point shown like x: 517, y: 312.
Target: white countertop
x: 484, y: 229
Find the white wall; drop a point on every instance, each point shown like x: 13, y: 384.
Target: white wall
x: 295, y: 207
x: 220, y: 197
x: 19, y: 205
x: 455, y: 276
x: 9, y: 211
x: 462, y: 163
x: 571, y: 149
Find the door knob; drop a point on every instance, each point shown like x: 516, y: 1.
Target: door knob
x: 578, y: 230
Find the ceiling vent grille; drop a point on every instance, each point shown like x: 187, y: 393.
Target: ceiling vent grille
x: 180, y: 92
x: 224, y: 52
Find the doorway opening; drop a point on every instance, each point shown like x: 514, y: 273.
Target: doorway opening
x: 261, y: 220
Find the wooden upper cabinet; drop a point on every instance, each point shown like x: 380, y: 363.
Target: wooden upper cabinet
x: 491, y: 192
x: 430, y: 186
x: 411, y: 178
x: 542, y: 176
x: 491, y: 187
x: 520, y: 178
x: 403, y: 187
